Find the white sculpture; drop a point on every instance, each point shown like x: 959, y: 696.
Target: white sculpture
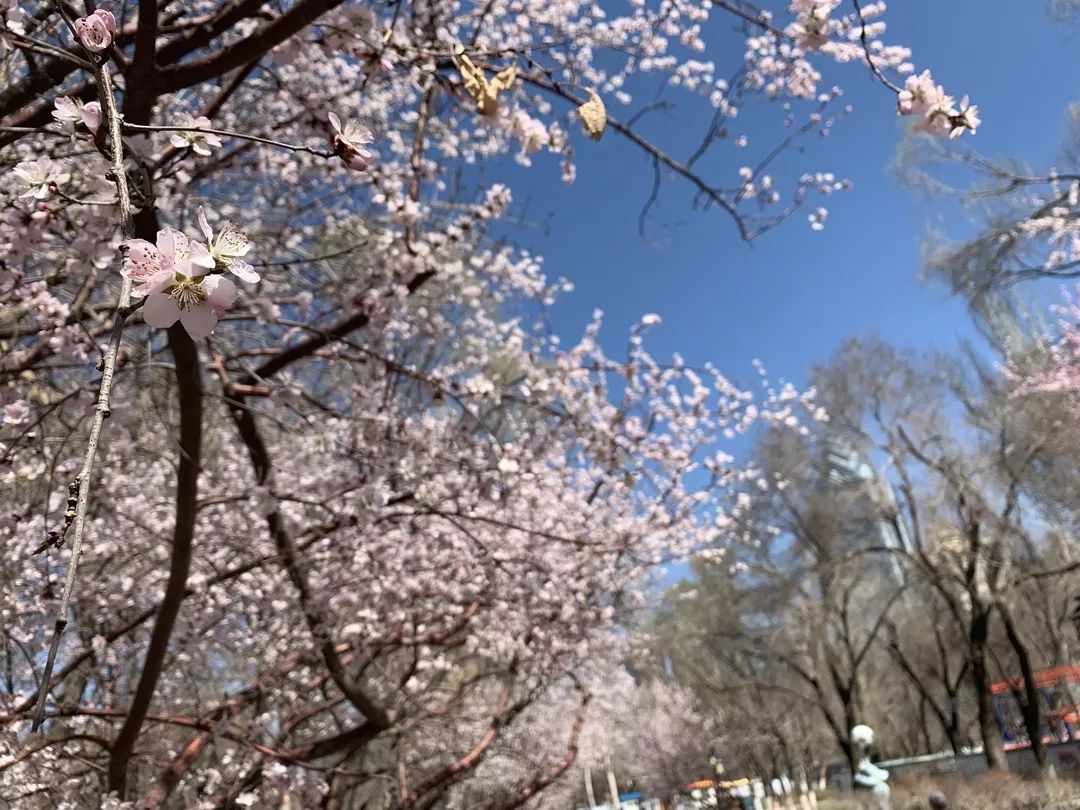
x: 869, y: 776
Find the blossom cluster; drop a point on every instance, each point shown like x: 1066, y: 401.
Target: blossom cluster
x: 177, y: 275
x: 940, y: 114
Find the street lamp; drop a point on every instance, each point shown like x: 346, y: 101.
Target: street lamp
x: 718, y: 767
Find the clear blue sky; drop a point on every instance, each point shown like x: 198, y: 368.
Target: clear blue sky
x: 793, y: 296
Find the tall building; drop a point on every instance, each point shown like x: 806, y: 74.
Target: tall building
x: 870, y: 496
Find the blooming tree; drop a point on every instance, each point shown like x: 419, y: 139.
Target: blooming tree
x: 335, y: 533
x: 653, y: 735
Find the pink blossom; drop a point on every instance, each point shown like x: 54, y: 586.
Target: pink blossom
x: 811, y: 28
x: 920, y: 93
x: 197, y: 303
x: 227, y: 248
x: 498, y: 493
x: 91, y: 115
x: 172, y: 276
x: 350, y: 142
x: 200, y: 142
x: 71, y: 112
x: 921, y: 96
x: 39, y: 176
x: 154, y: 267
x: 96, y: 30
x: 15, y: 413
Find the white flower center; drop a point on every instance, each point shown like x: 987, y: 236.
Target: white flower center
x: 187, y: 292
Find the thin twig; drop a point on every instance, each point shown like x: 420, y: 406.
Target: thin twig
x: 866, y: 49
x: 224, y: 133
x: 101, y: 411
x: 759, y: 20
x: 39, y: 130
x: 49, y: 50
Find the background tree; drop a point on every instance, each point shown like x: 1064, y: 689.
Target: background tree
x: 338, y: 518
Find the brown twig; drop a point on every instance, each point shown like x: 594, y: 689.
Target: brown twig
x: 101, y: 412
x: 866, y: 49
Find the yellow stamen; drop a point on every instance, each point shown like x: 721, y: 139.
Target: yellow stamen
x: 187, y: 292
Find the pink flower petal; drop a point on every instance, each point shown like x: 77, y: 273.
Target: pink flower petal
x: 160, y: 311
x: 356, y: 161
x: 199, y: 321
x: 243, y: 271
x: 173, y: 244
x: 220, y: 292
x: 159, y: 282
x: 200, y: 256
x: 107, y: 19
x: 143, y: 260
x: 204, y: 226
x: 91, y: 116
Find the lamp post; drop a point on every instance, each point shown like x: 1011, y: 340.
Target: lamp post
x: 718, y: 768
x: 716, y: 764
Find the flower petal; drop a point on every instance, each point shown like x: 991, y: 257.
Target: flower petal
x: 204, y: 226
x: 243, y: 271
x: 173, y: 244
x: 159, y: 282
x: 160, y: 311
x: 107, y: 19
x: 356, y: 160
x: 220, y: 292
x: 232, y: 242
x: 142, y: 261
x: 200, y: 256
x: 199, y: 321
x: 91, y: 116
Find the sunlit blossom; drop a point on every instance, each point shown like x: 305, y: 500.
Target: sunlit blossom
x: 199, y: 142
x: 350, y: 142
x: 228, y: 248
x: 70, y: 112
x: 37, y: 177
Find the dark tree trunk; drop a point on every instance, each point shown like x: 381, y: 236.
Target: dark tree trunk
x: 1030, y: 701
x: 958, y: 738
x: 978, y: 635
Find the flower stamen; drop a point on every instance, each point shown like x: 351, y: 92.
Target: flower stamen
x: 187, y: 292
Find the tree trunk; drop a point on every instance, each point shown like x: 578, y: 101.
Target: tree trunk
x: 924, y: 726
x: 947, y: 717
x: 980, y: 681
x: 952, y: 729
x: 613, y: 786
x: 1031, y: 706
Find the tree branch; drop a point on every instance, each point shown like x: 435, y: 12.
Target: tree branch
x: 101, y: 411
x: 189, y: 389
x: 251, y: 436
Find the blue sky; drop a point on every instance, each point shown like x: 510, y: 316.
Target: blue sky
x: 792, y: 296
